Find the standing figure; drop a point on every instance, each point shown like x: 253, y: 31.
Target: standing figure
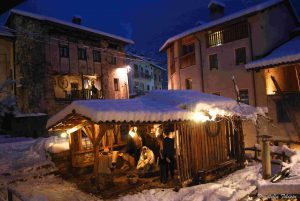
x: 162, y: 160
x: 168, y: 154
x: 93, y: 91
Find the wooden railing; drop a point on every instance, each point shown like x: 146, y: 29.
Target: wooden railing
x: 11, y: 194
x: 257, y: 151
x: 187, y: 60
x: 80, y: 95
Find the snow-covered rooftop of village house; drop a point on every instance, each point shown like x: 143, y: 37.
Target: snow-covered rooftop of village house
x: 224, y: 19
x: 69, y: 24
x: 287, y: 53
x: 156, y: 106
x: 216, y: 2
x: 5, y: 32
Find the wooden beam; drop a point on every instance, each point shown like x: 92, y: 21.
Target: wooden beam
x: 89, y: 133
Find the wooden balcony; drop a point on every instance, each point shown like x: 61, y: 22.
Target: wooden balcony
x: 187, y: 60
x: 80, y: 95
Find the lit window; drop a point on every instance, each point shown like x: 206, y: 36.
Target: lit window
x: 213, y: 61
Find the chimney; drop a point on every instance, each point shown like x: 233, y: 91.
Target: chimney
x: 76, y: 19
x: 216, y: 9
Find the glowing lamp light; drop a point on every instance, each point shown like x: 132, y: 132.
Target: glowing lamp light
x: 72, y: 130
x: 128, y: 68
x: 64, y: 135
x: 132, y: 134
x: 200, y: 117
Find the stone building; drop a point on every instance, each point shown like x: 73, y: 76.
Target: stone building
x: 143, y: 76
x: 206, y: 57
x: 6, y: 59
x: 57, y: 62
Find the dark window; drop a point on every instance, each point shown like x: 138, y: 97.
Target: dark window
x: 172, y: 60
x: 155, y: 77
x: 136, y: 71
x: 282, y: 115
x: 188, y: 83
x: 136, y: 86
x: 240, y: 56
x: 244, y: 96
x: 142, y: 86
x: 63, y: 50
x: 116, y: 84
x: 75, y: 93
x: 217, y: 93
x: 187, y: 49
x: 148, y: 87
x: 97, y: 56
x: 142, y: 72
x: 114, y: 60
x: 213, y: 61
x: 159, y: 78
x: 81, y: 54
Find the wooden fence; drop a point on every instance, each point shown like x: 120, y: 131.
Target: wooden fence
x: 206, y: 148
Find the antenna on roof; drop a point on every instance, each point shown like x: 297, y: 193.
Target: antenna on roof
x: 77, y: 19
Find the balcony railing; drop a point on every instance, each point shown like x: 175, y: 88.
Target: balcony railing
x: 187, y: 60
x: 85, y: 94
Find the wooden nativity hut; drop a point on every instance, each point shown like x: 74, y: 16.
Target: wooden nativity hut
x: 207, y: 129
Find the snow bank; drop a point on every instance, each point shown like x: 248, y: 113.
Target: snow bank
x: 279, y: 150
x: 56, y: 145
x: 289, y: 185
x: 24, y: 155
x: 156, y: 106
x: 52, y: 188
x: 233, y: 187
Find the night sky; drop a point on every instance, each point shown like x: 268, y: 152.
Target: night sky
x: 148, y: 22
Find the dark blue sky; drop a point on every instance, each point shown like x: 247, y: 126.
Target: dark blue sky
x: 148, y: 22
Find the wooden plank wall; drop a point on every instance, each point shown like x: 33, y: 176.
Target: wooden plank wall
x: 201, y: 149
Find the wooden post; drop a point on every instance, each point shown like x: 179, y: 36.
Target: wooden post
x: 98, y: 133
x: 266, y: 156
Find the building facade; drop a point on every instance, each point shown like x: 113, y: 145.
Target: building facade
x: 6, y: 61
x: 206, y: 58
x: 58, y: 62
x: 143, y: 76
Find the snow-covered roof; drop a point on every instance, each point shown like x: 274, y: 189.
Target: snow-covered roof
x: 147, y: 60
x: 6, y: 33
x: 157, y: 66
x: 216, y: 3
x: 289, y: 52
x: 156, y: 106
x: 69, y: 24
x: 224, y: 19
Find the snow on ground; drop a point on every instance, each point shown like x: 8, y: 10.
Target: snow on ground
x: 233, y: 187
x: 26, y: 168
x: 51, y: 188
x: 290, y: 184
